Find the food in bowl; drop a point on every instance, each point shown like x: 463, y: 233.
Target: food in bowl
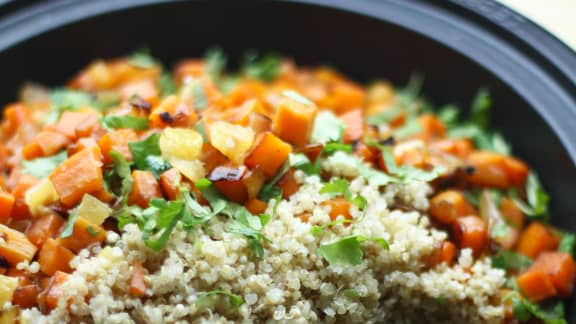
x: 274, y: 193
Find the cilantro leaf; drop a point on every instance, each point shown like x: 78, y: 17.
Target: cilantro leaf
x: 146, y: 155
x: 341, y: 187
x: 506, y: 260
x: 215, y: 62
x: 114, y: 122
x: 448, y: 115
x: 318, y: 229
x: 250, y: 226
x: 567, y: 243
x: 327, y: 128
x: 199, y: 95
x: 480, y: 108
x: 270, y: 189
x: 265, y: 68
x: 345, y: 251
x: 330, y: 148
x: 233, y: 299
x: 69, y: 226
x: 42, y: 167
x: 142, y: 59
x: 524, y: 310
x: 166, y: 84
x: 165, y: 216
x: 121, y: 168
x: 537, y: 205
x: 63, y: 99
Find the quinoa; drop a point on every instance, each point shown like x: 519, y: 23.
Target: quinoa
x: 291, y: 283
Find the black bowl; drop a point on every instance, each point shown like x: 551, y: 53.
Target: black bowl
x: 458, y: 46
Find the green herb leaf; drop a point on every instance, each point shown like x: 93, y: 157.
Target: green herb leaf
x: 92, y: 231
x: 524, y: 310
x: 480, y: 108
x: 215, y: 62
x: 42, y: 167
x: 567, y: 243
x: 297, y: 97
x: 200, y: 127
x: 69, y: 227
x: 351, y: 293
x: 270, y: 189
x: 63, y: 99
x: 500, y: 145
x: 114, y: 122
x: 264, y: 68
x: 449, y: 115
x: 507, y: 260
x: 233, y: 299
x: 250, y: 226
x: 142, y: 59
x: 318, y: 229
x: 384, y: 117
x: 335, y: 187
x: 199, y: 95
x: 537, y: 205
x: 411, y: 127
x: 327, y: 128
x: 408, y: 173
x: 331, y: 148
x: 121, y: 168
x: 166, y: 84
x: 146, y: 155
x: 166, y: 215
x: 345, y: 251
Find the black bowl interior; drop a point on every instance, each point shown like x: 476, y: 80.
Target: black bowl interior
x: 361, y: 47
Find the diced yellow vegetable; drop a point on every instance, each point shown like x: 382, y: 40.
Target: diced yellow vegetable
x: 180, y: 143
x: 93, y: 210
x: 9, y: 316
x: 39, y: 196
x: 7, y: 287
x: 234, y: 141
x: 192, y: 170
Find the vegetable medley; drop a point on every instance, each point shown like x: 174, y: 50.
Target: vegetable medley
x: 127, y: 142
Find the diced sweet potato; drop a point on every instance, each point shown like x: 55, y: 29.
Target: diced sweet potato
x: 269, y: 154
x: 144, y: 188
x: 54, y: 257
x: 16, y: 247
x: 44, y: 227
x: 83, y: 235
x: 294, y: 121
x: 471, y: 232
x: 448, y: 205
x: 536, y: 239
x: 117, y: 141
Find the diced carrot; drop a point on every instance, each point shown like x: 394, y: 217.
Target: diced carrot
x: 432, y: 127
x: 516, y: 170
x: 15, y: 114
x: 78, y: 175
x: 117, y: 141
x: 169, y: 183
x: 560, y: 268
x: 536, y: 239
x: 83, y: 235
x: 448, y: 205
x: 269, y: 154
x: 339, y: 206
x: 172, y: 112
x: 48, y: 143
x: 44, y: 227
x: 488, y: 170
x: 6, y: 203
x: 288, y: 184
x: 294, y: 121
x: 16, y: 247
x: 137, y: 282
x: 460, y: 147
x: 25, y: 296
x: 20, y: 210
x: 256, y: 206
x: 88, y: 126
x: 471, y: 232
x: 54, y: 257
x: 71, y: 120
x: 353, y: 125
x: 536, y: 285
x: 82, y: 143
x: 144, y: 188
x: 512, y: 213
x: 53, y: 292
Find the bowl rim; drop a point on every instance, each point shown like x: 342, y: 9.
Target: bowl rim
x: 536, y: 65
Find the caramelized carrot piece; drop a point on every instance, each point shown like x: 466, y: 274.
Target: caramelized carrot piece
x: 447, y: 252
x: 169, y: 183
x: 560, y: 268
x: 488, y: 169
x: 78, y: 175
x: 172, y: 112
x: 536, y: 285
x: 448, y: 205
x: 260, y: 123
x: 70, y: 121
x: 117, y: 141
x: 44, y: 227
x: 25, y: 296
x: 339, y: 206
x: 288, y: 184
x: 211, y: 157
x: 137, y: 282
x: 459, y: 147
x: 144, y: 188
x: 83, y: 235
x: 16, y: 247
x: 6, y: 203
x: 269, y: 154
x: 54, y: 257
x: 294, y: 121
x: 256, y: 206
x: 535, y: 239
x: 237, y: 183
x: 516, y: 170
x: 471, y: 232
x: 353, y: 125
x: 432, y: 127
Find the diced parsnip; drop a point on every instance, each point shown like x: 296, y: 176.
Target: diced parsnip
x: 83, y: 235
x: 269, y: 154
x: 180, y: 144
x: 15, y: 246
x: 78, y: 175
x: 234, y: 141
x: 39, y: 196
x: 294, y: 121
x: 7, y: 287
x: 93, y: 210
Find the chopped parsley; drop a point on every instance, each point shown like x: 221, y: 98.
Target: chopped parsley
x: 146, y: 155
x: 510, y: 260
x: 121, y: 171
x: 42, y: 167
x: 115, y: 122
x: 337, y: 187
x: 347, y: 251
x: 318, y: 229
x: 567, y: 243
x: 215, y: 62
x: 524, y: 310
x: 63, y: 99
x: 162, y: 217
x: 69, y: 226
x: 407, y: 173
x: 327, y: 128
x: 537, y: 199
x: 233, y: 299
x: 265, y: 68
x: 166, y: 84
x: 142, y: 59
